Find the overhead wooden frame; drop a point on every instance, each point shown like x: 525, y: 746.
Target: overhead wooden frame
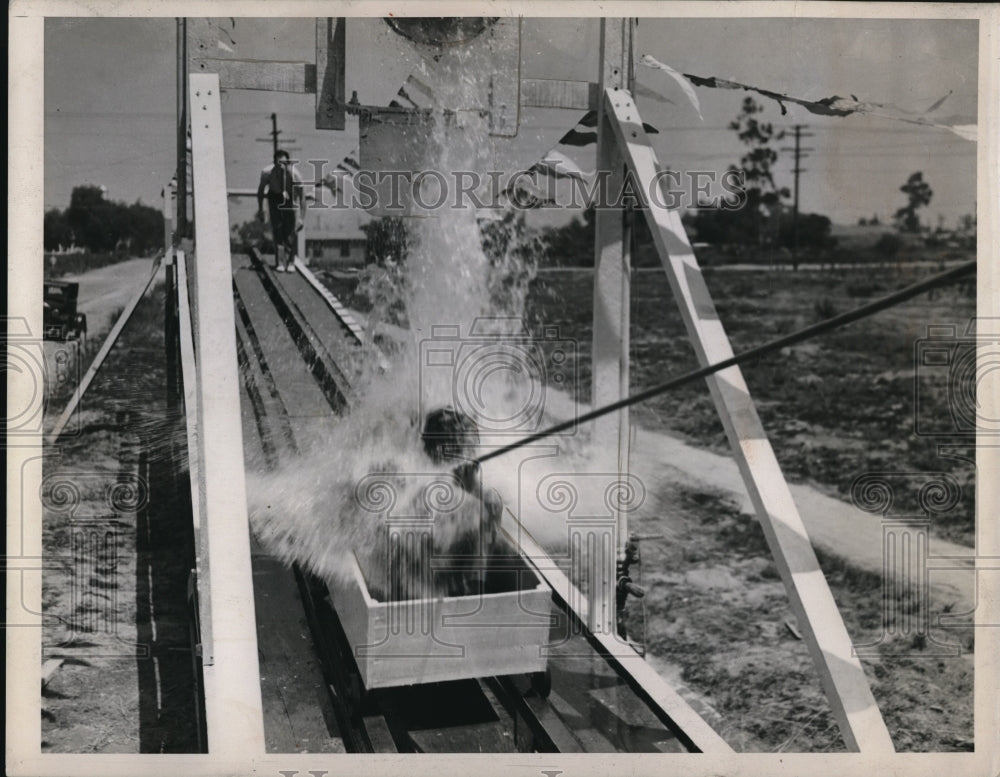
x: 210, y: 49
x: 331, y: 87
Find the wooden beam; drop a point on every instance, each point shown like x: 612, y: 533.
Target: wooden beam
x: 102, y: 354
x: 233, y: 710
x: 551, y: 93
x: 189, y: 380
x: 611, y: 322
x: 505, y: 76
x: 331, y: 68
x: 843, y: 678
x: 270, y: 76
x: 169, y: 310
x: 663, y: 700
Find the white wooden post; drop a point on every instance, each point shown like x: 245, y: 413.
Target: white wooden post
x: 843, y: 678
x: 233, y: 710
x: 609, y: 371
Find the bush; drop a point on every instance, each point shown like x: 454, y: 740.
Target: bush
x: 889, y: 245
x: 824, y: 308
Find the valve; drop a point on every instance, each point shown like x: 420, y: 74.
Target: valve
x: 625, y: 585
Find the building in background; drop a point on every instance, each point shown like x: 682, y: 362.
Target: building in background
x: 336, y: 237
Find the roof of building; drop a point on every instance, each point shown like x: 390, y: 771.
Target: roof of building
x: 335, y: 223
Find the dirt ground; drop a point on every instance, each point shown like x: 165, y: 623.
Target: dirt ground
x: 716, y: 619
x: 117, y: 666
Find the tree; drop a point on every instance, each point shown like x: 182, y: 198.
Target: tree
x: 387, y: 239
x: 56, y: 230
x: 89, y: 216
x: 100, y: 225
x: 919, y: 194
x: 889, y: 246
x: 253, y: 233
x: 814, y: 232
x: 763, y: 196
x: 572, y: 244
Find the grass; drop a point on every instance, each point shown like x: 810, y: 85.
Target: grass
x: 834, y: 408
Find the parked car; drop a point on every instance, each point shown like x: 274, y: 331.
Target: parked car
x: 60, y: 319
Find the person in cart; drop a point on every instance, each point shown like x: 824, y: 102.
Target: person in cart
x: 452, y: 437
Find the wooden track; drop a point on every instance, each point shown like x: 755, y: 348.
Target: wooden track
x: 295, y: 379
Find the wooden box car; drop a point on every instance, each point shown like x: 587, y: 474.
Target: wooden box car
x: 419, y: 641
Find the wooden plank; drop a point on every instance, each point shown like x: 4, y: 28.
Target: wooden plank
x: 663, y: 700
x: 505, y: 76
x: 303, y: 408
x: 612, y: 274
x: 102, y: 354
x: 232, y: 682
x: 593, y: 741
x: 170, y: 299
x: 295, y: 695
x: 547, y: 730
x: 189, y: 382
x: 262, y: 75
x: 553, y: 93
x: 335, y: 305
x: 843, y: 679
x: 331, y: 93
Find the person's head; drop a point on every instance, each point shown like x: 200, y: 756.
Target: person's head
x: 449, y: 433
x: 281, y: 157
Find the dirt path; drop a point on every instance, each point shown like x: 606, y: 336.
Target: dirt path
x: 108, y: 289
x: 834, y: 526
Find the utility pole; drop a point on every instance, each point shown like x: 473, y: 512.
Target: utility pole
x: 800, y: 154
x: 273, y: 140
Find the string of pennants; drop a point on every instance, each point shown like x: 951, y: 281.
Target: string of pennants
x: 828, y: 106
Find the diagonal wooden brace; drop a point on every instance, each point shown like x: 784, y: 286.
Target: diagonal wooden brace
x: 843, y: 678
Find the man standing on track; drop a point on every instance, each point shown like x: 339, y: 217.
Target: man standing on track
x: 282, y: 185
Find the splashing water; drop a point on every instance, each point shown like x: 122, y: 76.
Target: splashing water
x: 339, y: 499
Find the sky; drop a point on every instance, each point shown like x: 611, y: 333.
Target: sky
x: 110, y: 101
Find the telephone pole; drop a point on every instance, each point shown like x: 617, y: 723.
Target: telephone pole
x: 273, y: 140
x: 800, y: 154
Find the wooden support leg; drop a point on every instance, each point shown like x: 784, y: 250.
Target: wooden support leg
x: 829, y: 643
x: 609, y: 359
x: 233, y: 710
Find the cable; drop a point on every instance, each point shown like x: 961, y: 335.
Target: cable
x: 754, y: 353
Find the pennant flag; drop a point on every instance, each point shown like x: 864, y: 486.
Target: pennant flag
x: 558, y: 165
x: 583, y: 134
x: 682, y: 82
x: 585, y: 131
